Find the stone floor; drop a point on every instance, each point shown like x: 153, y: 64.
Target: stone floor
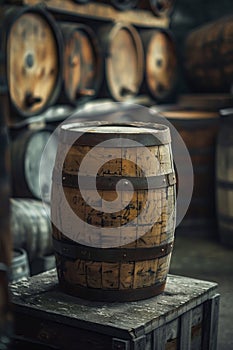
x: 208, y: 260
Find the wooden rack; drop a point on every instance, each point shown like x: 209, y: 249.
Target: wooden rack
x: 103, y: 12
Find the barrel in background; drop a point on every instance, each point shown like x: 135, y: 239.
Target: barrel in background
x: 136, y: 269
x: 33, y: 59
x: 161, y: 64
x: 29, y: 178
x: 199, y: 130
x: 208, y: 56
x: 123, y: 59
x: 31, y: 227
x: 82, y: 71
x: 224, y: 178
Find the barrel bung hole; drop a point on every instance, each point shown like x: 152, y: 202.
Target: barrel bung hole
x: 29, y: 60
x: 159, y: 62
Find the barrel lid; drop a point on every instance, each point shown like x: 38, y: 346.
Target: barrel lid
x: 94, y: 133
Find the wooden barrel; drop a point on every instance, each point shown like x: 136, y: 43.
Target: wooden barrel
x: 29, y: 179
x: 133, y: 263
x: 207, y: 102
x: 160, y: 64
x: 33, y: 59
x: 19, y: 265
x: 224, y: 178
x: 83, y: 71
x: 123, y: 52
x: 199, y: 130
x: 208, y: 56
x: 160, y: 8
x: 30, y: 227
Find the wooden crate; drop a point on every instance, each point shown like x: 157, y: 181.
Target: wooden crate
x: 184, y: 317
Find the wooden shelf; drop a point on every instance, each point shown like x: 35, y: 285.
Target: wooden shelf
x: 103, y: 12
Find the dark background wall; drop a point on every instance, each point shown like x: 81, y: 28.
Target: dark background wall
x: 189, y: 14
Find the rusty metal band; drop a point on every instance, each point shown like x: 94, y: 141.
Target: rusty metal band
x: 113, y: 295
x: 110, y: 182
x: 77, y: 251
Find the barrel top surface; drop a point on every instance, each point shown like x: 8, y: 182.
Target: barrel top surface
x: 90, y: 133
x: 41, y: 294
x: 116, y: 129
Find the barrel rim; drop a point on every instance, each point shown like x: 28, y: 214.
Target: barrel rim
x: 160, y: 134
x: 12, y: 14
